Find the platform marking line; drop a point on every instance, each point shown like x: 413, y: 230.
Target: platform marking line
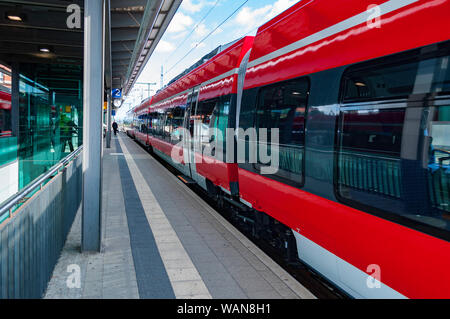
x: 290, y: 281
x: 296, y: 287
x: 174, y: 256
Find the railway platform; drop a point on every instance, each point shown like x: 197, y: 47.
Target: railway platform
x: 162, y: 241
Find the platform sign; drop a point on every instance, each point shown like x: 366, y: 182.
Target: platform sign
x: 113, y: 113
x: 116, y: 93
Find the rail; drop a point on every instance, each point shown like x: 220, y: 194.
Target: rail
x: 18, y: 199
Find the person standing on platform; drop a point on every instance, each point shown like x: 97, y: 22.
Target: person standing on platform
x: 115, y: 127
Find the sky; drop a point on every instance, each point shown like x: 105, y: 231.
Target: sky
x: 193, y: 22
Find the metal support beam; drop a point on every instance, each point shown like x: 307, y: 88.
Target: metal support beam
x: 108, y: 121
x: 92, y: 124
x: 108, y: 71
x: 15, y: 75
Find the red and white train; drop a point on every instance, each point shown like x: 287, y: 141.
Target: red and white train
x: 360, y: 93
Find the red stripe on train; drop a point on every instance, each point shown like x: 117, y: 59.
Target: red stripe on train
x: 412, y: 263
x: 351, y: 46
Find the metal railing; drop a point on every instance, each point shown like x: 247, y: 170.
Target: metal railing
x: 20, y: 198
x: 41, y: 216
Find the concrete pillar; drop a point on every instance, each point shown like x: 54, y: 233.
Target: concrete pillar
x: 92, y: 123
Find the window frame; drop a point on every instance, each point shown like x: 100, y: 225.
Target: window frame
x: 7, y: 90
x: 414, y: 100
x: 415, y: 55
x: 256, y: 167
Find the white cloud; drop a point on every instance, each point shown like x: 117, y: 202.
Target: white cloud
x: 193, y: 6
x: 280, y: 6
x: 201, y: 30
x: 164, y: 47
x: 179, y: 35
x: 179, y: 23
x: 250, y: 18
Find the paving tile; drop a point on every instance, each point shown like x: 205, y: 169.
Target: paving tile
x: 228, y: 291
x: 202, y: 257
x: 189, y: 288
x: 210, y: 267
x: 251, y: 283
x: 183, y: 274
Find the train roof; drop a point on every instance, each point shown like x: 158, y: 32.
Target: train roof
x: 318, y: 35
x: 222, y: 63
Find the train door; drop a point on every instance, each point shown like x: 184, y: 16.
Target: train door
x: 188, y: 141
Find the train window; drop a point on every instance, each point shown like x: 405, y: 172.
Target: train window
x: 143, y: 123
x: 283, y: 106
x: 153, y: 123
x: 399, y: 80
x: 204, y: 117
x: 219, y: 124
x: 5, y: 102
x: 395, y: 161
x: 160, y: 122
x: 373, y: 131
x: 168, y: 127
x: 177, y: 124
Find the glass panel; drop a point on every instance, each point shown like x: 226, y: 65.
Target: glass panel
x: 8, y: 143
x: 283, y: 107
x: 373, y: 131
x: 5, y: 101
x: 49, y: 120
x: 437, y: 133
x: 177, y: 124
x: 370, y: 148
x: 153, y: 123
x: 205, y: 116
x: 219, y: 123
x: 142, y: 123
x: 398, y: 160
x: 41, y: 87
x: 398, y: 80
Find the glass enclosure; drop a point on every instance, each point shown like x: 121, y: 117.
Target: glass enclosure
x: 41, y: 86
x: 49, y: 121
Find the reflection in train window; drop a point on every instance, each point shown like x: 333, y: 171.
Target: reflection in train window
x: 219, y: 124
x: 203, y: 117
x: 177, y: 124
x: 398, y: 80
x: 282, y: 106
x: 395, y: 159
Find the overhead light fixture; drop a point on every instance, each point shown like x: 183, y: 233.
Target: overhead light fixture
x: 14, y: 17
x: 46, y: 49
x: 360, y: 84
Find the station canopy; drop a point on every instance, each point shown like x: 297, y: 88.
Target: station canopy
x: 37, y: 32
